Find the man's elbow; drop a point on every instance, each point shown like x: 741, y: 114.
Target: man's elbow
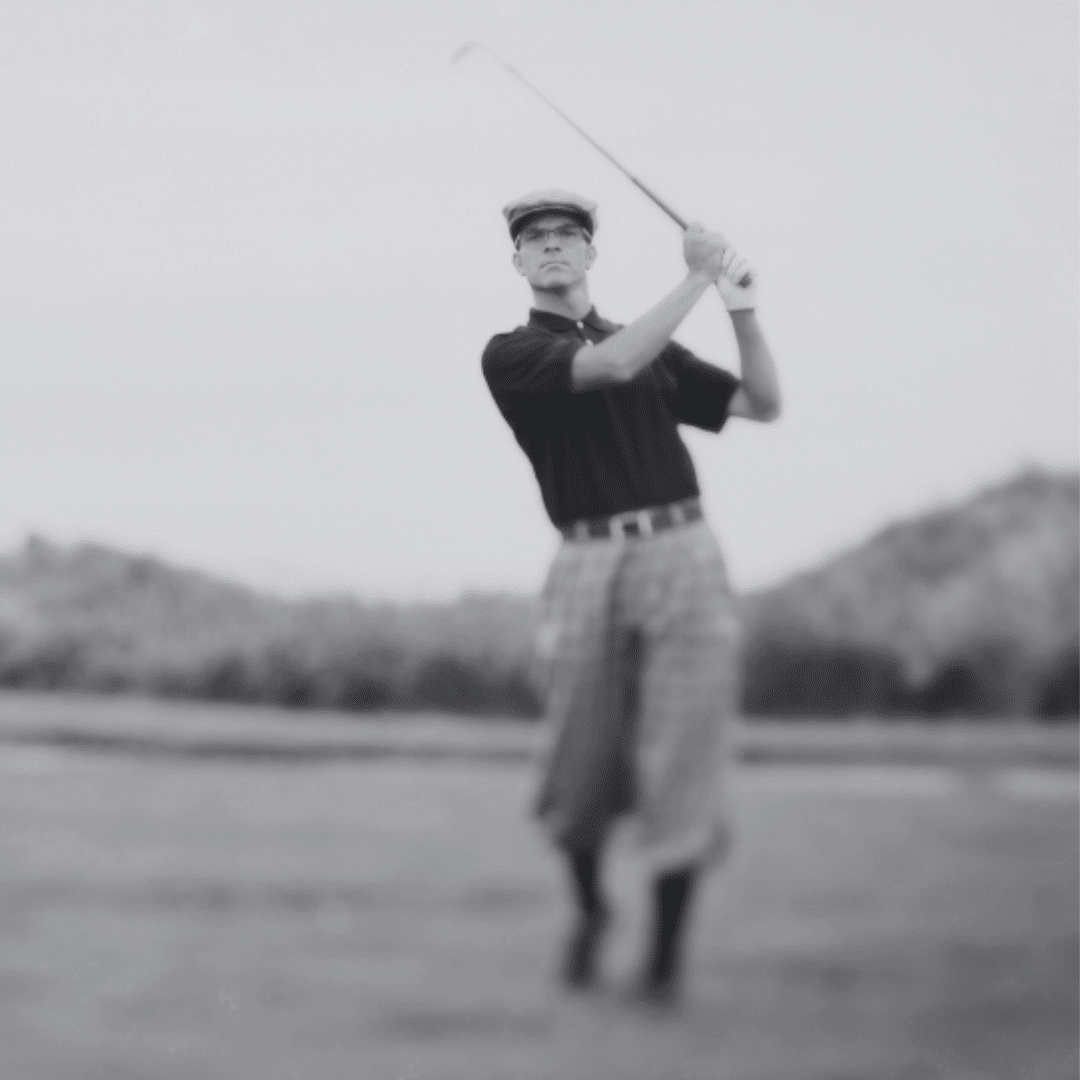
x: 621, y: 372
x: 759, y: 408
x: 593, y: 368
x: 767, y: 411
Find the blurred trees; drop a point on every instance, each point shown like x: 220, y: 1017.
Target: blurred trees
x: 972, y: 610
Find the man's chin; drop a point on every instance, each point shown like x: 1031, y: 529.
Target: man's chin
x: 554, y: 282
x: 552, y: 288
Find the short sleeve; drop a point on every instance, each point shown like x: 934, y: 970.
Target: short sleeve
x: 527, y: 365
x: 698, y: 393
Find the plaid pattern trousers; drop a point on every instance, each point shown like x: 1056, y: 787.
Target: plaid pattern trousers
x: 637, y: 658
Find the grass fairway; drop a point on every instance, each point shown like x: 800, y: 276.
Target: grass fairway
x: 186, y: 918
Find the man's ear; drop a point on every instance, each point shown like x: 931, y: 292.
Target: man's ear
x: 590, y: 257
x: 516, y: 259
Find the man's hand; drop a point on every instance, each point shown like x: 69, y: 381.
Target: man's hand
x: 737, y: 297
x: 709, y: 254
x: 704, y: 251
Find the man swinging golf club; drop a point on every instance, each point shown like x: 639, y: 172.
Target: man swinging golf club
x: 638, y: 638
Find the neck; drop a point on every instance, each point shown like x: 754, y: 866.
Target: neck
x: 573, y: 303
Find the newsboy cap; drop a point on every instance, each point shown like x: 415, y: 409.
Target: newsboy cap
x: 549, y: 201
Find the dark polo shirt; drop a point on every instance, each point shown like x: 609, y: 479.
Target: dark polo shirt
x: 612, y: 448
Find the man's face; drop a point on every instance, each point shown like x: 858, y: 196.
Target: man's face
x: 553, y: 253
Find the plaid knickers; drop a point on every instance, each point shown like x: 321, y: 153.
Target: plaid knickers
x: 637, y: 653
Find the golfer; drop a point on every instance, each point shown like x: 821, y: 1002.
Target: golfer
x: 638, y: 636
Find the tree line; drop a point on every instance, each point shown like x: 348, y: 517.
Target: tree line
x: 464, y: 667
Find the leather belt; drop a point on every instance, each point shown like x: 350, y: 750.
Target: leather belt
x: 645, y: 522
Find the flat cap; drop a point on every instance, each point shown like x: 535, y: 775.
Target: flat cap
x: 549, y: 201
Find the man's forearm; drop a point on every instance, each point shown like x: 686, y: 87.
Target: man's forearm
x: 760, y: 382
x: 629, y: 350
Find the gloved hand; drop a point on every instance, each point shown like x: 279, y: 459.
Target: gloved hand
x: 734, y: 269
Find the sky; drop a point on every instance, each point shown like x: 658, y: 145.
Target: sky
x: 250, y: 254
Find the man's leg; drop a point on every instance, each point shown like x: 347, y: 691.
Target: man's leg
x: 586, y: 780
x: 672, y: 896
x: 687, y: 694
x: 583, y: 944
x: 585, y: 875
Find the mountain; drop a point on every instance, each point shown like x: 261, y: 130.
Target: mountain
x: 986, y: 590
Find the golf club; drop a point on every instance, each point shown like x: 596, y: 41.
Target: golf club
x: 472, y: 46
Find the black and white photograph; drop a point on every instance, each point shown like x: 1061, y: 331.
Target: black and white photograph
x: 540, y: 541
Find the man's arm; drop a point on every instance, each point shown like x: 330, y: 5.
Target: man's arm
x: 758, y: 398
x: 629, y: 351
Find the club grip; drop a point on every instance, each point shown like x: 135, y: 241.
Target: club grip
x: 745, y: 282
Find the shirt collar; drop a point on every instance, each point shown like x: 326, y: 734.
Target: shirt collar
x: 550, y: 321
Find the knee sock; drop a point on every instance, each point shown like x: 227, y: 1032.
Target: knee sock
x: 585, y: 873
x: 672, y: 893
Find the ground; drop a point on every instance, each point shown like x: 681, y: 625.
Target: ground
x: 188, y: 918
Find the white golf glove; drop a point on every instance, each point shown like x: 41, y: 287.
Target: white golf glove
x: 737, y: 297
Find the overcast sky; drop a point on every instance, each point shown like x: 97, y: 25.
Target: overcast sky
x: 250, y: 253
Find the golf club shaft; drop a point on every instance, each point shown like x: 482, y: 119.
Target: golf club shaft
x: 592, y: 142
x: 678, y: 219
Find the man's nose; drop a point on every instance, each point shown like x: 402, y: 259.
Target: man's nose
x: 551, y: 240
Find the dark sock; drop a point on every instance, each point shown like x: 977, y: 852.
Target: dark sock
x: 585, y: 873
x: 580, y: 959
x: 672, y: 893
